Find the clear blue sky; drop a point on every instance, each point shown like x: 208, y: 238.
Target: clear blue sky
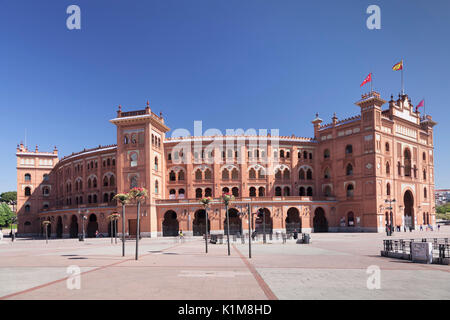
x: 231, y: 63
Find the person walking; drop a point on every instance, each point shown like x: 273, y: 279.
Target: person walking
x: 439, y: 227
x: 180, y: 233
x: 421, y: 228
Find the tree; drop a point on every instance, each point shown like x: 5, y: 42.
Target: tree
x: 9, y: 197
x: 6, y: 215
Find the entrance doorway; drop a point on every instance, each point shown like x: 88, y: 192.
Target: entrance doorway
x: 198, y: 225
x: 170, y: 224
x: 235, y: 222
x: 92, y: 226
x: 59, y: 228
x: 320, y: 222
x: 293, y: 221
x: 74, y: 227
x: 408, y: 201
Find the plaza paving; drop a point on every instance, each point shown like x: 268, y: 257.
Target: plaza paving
x: 333, y: 266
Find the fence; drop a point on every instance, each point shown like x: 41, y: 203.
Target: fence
x: 441, y: 248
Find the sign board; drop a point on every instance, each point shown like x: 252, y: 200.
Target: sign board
x: 422, y: 252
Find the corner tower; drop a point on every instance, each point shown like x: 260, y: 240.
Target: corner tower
x: 140, y: 163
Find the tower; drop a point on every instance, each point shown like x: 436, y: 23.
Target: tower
x: 34, y: 186
x: 140, y: 163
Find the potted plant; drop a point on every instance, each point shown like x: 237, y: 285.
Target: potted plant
x: 123, y: 199
x: 138, y: 194
x: 227, y: 198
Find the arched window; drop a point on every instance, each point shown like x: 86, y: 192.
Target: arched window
x: 169, y: 157
x: 261, y: 192
x: 399, y: 168
x: 305, y: 155
x: 407, y: 161
x: 133, y: 159
x: 181, y: 193
x: 94, y: 183
x: 281, y: 153
x: 425, y: 193
x: 327, y: 191
x: 350, y: 190
x: 301, y: 174
x: 301, y: 192
x: 309, y: 192
x: 387, y: 146
x: 225, y: 174
x: 125, y: 141
x: 94, y: 198
x: 278, y: 175
x: 349, y: 170
x: 252, y: 192
x: 172, y: 176
x: 235, y: 192
x: 27, y: 208
x: 27, y: 177
x: 286, y: 174
x: 261, y: 173
x: 326, y: 154
x: 156, y: 187
x: 326, y: 174
x: 208, y: 192
x: 225, y: 190
x: 133, y: 182
x: 27, y: 191
x: 198, y: 193
x: 348, y: 149
x: 172, y: 192
x: 288, y: 154
x: 424, y: 156
x: 278, y: 191
x: 286, y: 191
x: 309, y: 174
x: 156, y: 163
x: 252, y: 174
x: 181, y: 175
x: 112, y: 181
x: 234, y: 174
x: 105, y: 197
x: 105, y: 181
x: 198, y: 174
x: 388, y: 168
x: 424, y: 174
x: 310, y: 156
x: 350, y: 219
x: 45, y: 191
x: 388, y: 189
x: 89, y: 184
x: 207, y: 174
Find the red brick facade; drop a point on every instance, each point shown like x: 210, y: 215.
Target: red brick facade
x: 339, y: 180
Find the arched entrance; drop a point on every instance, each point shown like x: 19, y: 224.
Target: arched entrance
x: 59, y: 228
x: 235, y: 222
x: 170, y: 224
x: 74, y: 227
x: 320, y: 222
x: 350, y: 219
x: 259, y: 222
x: 198, y: 225
x: 408, y: 201
x: 92, y: 226
x: 293, y: 221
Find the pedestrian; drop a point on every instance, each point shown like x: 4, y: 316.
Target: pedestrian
x: 421, y: 228
x: 404, y: 228
x: 180, y: 233
x: 439, y: 227
x: 96, y: 233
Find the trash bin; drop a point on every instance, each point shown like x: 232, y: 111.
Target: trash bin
x: 80, y: 237
x: 306, y: 238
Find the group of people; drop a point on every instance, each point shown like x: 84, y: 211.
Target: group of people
x: 389, y: 228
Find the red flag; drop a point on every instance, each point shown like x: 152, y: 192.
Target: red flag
x: 367, y: 79
x: 421, y: 104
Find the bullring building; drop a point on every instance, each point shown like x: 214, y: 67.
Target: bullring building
x: 344, y: 178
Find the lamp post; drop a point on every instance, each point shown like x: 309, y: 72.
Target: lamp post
x: 205, y: 202
x: 264, y: 225
x: 138, y: 194
x: 227, y: 198
x: 390, y: 201
x: 250, y: 219
x: 46, y: 223
x: 123, y: 199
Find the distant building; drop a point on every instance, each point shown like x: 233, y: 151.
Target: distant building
x: 341, y: 179
x: 442, y: 196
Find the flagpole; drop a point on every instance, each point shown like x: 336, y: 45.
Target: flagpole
x: 371, y: 82
x: 403, y: 88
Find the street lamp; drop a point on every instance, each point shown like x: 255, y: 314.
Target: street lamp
x: 390, y: 201
x: 83, y: 217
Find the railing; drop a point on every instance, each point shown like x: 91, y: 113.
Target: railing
x: 441, y: 246
x: 133, y: 113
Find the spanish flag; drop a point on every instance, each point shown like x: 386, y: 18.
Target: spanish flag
x: 398, y: 66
